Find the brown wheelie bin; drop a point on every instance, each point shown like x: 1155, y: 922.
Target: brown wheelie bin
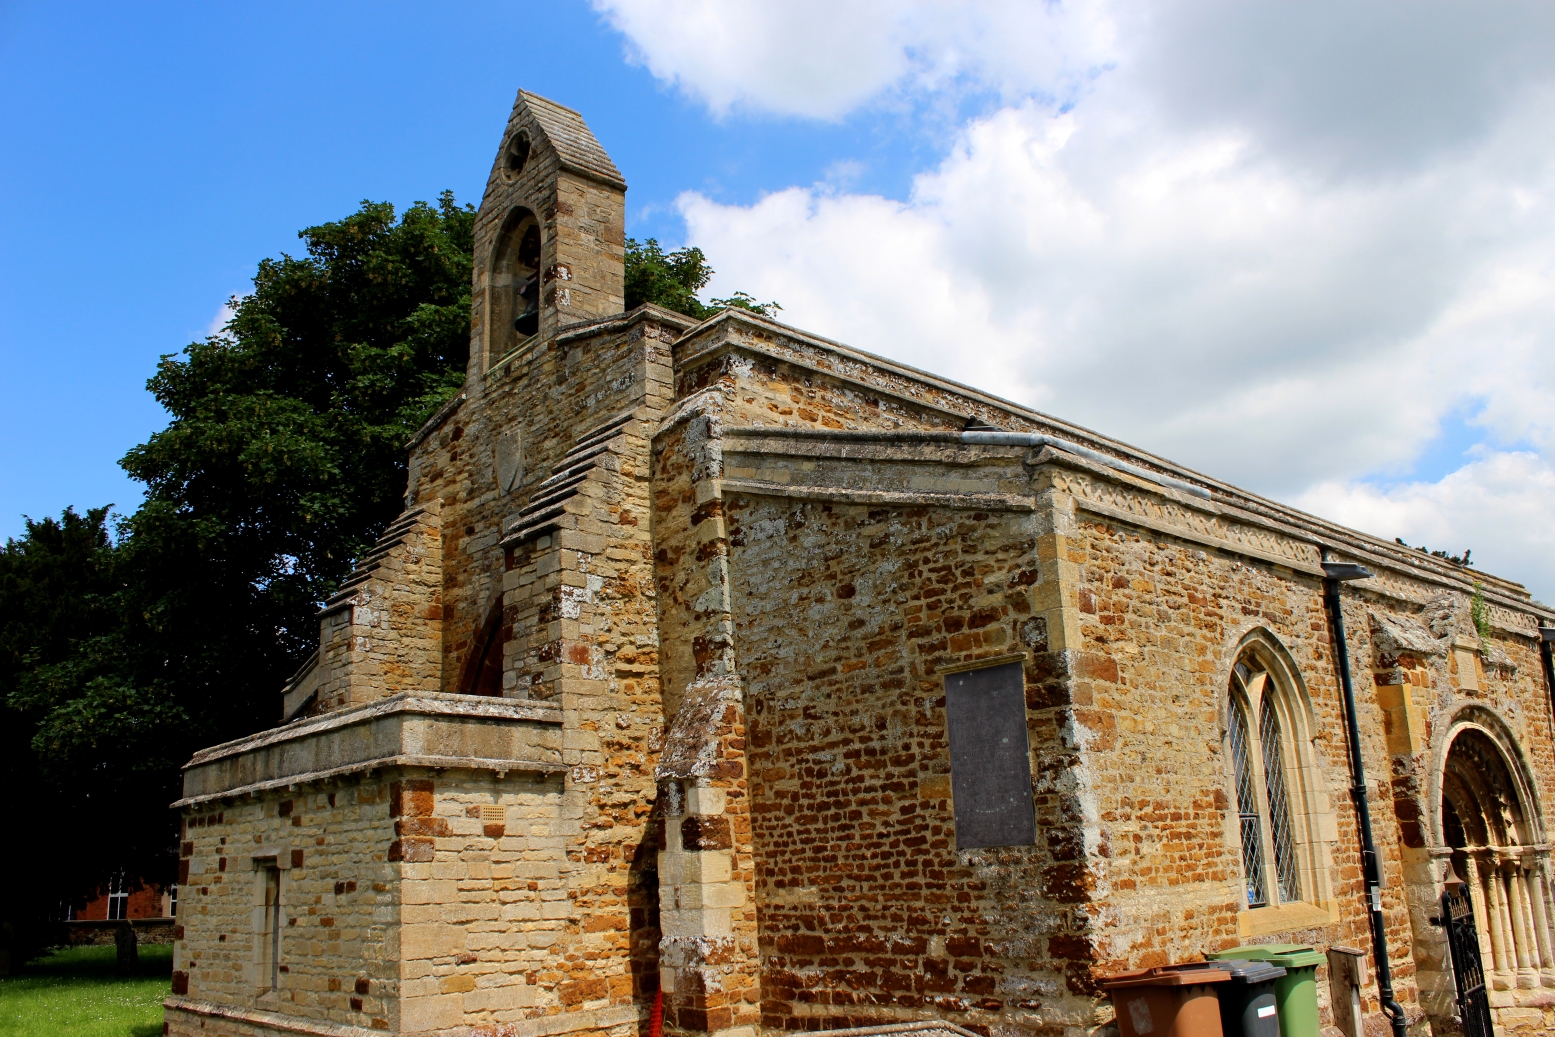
x: 1167, y: 1001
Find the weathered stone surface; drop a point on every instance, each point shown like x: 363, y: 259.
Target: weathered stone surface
x: 432, y: 730
x: 641, y: 702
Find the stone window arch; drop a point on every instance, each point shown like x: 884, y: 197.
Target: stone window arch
x: 1279, y: 812
x: 513, y: 285
x: 1492, y: 834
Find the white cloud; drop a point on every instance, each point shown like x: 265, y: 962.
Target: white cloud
x: 218, y: 324
x: 822, y: 58
x: 1498, y: 507
x: 1168, y: 294
x: 1280, y: 244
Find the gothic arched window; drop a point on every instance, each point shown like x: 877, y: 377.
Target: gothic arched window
x: 1261, y: 754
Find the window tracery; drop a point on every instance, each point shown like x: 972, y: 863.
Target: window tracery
x: 1275, y: 804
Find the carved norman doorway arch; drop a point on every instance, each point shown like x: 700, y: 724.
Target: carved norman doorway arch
x: 1495, y: 839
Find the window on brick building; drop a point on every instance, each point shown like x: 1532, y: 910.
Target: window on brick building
x: 118, y: 898
x: 172, y: 900
x: 1265, y: 767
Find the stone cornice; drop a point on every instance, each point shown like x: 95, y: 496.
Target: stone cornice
x: 435, y: 422
x: 739, y: 332
x: 1112, y: 495
x: 621, y: 321
x: 414, y: 729
x: 1221, y: 523
x: 1115, y: 495
x: 426, y: 702
x: 902, y: 498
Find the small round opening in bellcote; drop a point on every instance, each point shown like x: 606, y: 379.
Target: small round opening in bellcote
x: 515, y: 155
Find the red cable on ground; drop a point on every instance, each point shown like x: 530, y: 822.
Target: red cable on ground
x: 656, y: 1020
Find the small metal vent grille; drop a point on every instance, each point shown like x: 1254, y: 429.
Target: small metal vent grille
x: 1247, y: 810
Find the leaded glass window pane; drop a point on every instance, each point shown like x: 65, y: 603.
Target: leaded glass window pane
x: 1279, y: 802
x: 1247, y: 809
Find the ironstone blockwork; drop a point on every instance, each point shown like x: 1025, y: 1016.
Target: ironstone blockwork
x: 641, y: 706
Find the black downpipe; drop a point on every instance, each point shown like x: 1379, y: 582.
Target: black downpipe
x: 1546, y: 637
x: 1370, y: 865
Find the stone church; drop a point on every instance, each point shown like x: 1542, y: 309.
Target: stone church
x: 722, y: 677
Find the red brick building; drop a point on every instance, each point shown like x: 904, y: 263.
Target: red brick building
x: 124, y: 900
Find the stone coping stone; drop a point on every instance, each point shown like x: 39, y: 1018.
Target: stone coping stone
x: 922, y: 1028
x: 412, y: 729
x: 262, y: 1021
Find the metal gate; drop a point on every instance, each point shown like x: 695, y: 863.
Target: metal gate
x: 1467, y: 971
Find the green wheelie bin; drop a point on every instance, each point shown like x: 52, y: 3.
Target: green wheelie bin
x: 1295, y: 995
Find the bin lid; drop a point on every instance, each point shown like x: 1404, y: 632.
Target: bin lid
x: 1192, y: 975
x: 1242, y: 970
x: 1289, y: 955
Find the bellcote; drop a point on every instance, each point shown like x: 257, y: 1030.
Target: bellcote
x: 551, y: 235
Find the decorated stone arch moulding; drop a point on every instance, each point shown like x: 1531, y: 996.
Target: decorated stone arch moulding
x: 1281, y: 665
x: 1487, y: 721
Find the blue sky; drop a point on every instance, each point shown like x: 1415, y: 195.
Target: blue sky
x: 157, y: 152
x: 1307, y: 248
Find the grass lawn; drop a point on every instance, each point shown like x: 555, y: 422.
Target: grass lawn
x: 74, y: 991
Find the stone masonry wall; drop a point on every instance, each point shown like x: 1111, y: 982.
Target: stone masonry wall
x: 411, y: 903
x: 484, y: 460
x: 1169, y: 617
x: 1442, y: 675
x: 579, y: 601
x: 582, y: 604
x: 380, y: 635
x: 340, y: 897
x: 845, y: 616
x: 709, y: 958
x: 488, y: 904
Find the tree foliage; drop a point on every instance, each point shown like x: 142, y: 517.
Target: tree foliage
x: 91, y: 737
x: 286, y: 448
x: 283, y: 458
x: 673, y: 279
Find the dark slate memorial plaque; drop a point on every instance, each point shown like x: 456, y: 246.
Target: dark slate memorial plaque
x: 990, y: 760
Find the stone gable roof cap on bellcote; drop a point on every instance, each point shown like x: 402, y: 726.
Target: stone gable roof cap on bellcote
x: 574, y: 143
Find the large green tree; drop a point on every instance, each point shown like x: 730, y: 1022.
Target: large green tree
x: 91, y: 737
x: 283, y: 457
x: 286, y: 446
